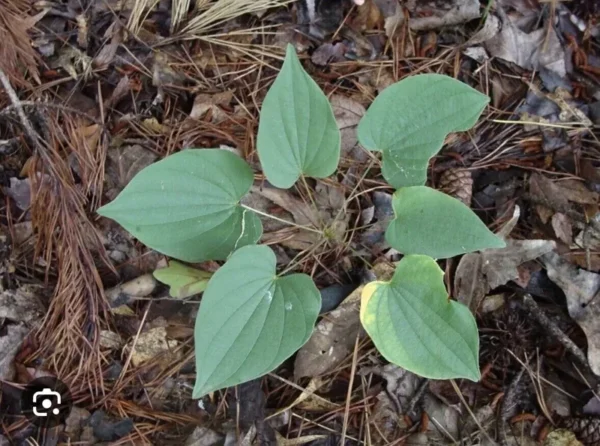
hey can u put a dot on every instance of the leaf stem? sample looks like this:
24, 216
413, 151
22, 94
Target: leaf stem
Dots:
281, 220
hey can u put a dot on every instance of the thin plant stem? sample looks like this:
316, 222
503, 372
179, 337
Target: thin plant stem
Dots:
281, 220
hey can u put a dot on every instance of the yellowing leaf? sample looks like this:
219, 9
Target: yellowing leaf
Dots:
414, 325
184, 280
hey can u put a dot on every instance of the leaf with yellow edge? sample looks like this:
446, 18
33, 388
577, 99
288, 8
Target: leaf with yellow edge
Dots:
414, 325
184, 280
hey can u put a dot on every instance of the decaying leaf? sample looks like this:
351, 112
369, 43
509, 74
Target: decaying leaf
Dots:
562, 228
335, 335
478, 273
548, 196
309, 401
123, 164
534, 50
203, 103
347, 114
582, 289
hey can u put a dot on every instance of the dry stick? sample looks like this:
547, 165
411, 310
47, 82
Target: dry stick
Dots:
281, 220
473, 416
14, 99
349, 394
417, 396
554, 330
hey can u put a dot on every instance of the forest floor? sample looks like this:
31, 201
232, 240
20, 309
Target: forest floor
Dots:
94, 91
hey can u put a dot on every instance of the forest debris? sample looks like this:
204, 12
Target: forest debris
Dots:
309, 401
123, 164
20, 191
110, 340
21, 305
458, 183
10, 344
203, 436
348, 113
17, 55
562, 437
332, 340
329, 53
548, 196
151, 344
127, 292
478, 273
434, 15
374, 235
538, 49
335, 335
107, 429
75, 422
561, 224
203, 103
582, 289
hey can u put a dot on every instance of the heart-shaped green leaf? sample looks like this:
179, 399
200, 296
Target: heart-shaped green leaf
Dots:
414, 325
435, 224
410, 119
184, 280
297, 134
251, 320
187, 205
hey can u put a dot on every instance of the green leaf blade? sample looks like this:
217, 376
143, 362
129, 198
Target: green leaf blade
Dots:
250, 320
187, 205
432, 223
414, 325
184, 281
410, 119
297, 133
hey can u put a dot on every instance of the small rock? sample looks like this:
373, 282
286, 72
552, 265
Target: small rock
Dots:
203, 436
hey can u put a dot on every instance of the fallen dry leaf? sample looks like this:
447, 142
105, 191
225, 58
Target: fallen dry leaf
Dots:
335, 335
561, 224
210, 102
582, 290
123, 164
538, 49
309, 401
348, 113
478, 273
548, 196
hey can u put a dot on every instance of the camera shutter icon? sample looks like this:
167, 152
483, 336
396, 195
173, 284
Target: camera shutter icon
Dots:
46, 396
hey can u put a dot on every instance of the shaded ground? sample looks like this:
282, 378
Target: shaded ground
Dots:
95, 91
